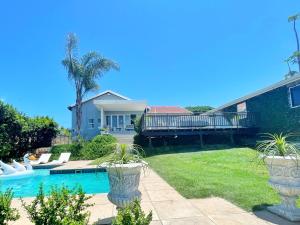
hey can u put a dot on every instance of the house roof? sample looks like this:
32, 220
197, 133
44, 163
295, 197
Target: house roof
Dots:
259, 92
167, 110
100, 94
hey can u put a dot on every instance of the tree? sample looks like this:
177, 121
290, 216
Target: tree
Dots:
199, 109
84, 72
295, 58
20, 133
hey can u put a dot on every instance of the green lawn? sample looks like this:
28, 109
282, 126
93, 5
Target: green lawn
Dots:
235, 174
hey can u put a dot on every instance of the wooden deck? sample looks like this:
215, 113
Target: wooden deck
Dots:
168, 125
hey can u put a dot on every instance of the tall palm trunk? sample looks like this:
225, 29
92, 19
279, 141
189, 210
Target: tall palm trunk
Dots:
298, 46
78, 114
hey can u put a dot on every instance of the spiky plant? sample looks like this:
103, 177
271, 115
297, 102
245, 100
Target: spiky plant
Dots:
277, 145
127, 153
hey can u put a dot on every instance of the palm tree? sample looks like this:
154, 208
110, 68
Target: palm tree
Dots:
84, 72
295, 58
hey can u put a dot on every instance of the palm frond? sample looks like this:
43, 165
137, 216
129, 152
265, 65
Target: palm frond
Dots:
294, 17
71, 46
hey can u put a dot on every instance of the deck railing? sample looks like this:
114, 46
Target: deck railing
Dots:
225, 120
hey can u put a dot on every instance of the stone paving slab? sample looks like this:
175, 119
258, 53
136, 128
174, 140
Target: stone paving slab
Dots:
222, 212
168, 206
81, 164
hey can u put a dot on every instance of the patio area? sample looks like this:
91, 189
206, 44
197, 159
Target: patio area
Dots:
168, 206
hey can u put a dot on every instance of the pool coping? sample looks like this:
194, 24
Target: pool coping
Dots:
76, 170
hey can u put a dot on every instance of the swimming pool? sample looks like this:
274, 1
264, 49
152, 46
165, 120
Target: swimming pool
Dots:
28, 185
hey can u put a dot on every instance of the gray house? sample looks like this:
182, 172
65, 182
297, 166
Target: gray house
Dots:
108, 110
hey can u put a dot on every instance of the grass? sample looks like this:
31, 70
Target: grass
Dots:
235, 174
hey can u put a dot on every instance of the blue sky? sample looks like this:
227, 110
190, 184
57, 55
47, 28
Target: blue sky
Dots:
170, 52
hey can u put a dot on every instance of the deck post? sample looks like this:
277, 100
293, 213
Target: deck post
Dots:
232, 138
165, 143
150, 142
201, 140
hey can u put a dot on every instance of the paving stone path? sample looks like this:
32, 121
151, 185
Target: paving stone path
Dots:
170, 208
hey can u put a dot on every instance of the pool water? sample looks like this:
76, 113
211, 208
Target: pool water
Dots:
28, 185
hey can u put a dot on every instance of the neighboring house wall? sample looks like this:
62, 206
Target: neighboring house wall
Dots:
274, 110
89, 111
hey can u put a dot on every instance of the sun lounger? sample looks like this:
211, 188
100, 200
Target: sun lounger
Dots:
44, 158
63, 158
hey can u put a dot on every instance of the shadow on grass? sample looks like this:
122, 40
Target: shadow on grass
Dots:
184, 149
261, 207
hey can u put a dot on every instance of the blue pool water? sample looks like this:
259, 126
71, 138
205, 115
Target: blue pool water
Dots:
28, 185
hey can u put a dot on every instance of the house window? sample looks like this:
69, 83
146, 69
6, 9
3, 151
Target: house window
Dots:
132, 118
295, 96
99, 121
91, 123
108, 121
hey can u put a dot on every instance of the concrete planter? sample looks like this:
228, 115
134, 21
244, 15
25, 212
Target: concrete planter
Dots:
124, 182
285, 179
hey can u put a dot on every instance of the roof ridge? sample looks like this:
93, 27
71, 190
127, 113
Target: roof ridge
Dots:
100, 94
258, 92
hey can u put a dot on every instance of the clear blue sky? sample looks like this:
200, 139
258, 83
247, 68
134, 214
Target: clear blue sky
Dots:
170, 52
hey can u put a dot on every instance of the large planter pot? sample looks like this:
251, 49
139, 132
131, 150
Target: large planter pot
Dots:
124, 182
285, 179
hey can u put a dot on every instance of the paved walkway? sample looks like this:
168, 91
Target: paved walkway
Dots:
170, 208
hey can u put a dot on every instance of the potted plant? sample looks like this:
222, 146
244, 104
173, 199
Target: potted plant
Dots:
104, 130
282, 160
124, 170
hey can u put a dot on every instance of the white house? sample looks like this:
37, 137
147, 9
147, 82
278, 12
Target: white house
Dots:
108, 110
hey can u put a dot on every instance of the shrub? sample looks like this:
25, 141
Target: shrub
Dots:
39, 131
61, 207
10, 130
94, 150
6, 212
19, 133
138, 125
99, 146
104, 139
132, 215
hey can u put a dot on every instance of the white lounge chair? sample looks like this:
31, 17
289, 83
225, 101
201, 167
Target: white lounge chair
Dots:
18, 166
63, 158
44, 158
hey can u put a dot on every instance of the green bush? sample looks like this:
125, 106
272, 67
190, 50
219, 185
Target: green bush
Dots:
10, 130
94, 150
104, 139
132, 215
138, 125
20, 133
6, 212
99, 146
61, 207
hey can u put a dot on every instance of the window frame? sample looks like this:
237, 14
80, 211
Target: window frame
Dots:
290, 96
91, 125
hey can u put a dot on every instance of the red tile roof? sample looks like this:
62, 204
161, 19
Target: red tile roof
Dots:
168, 110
